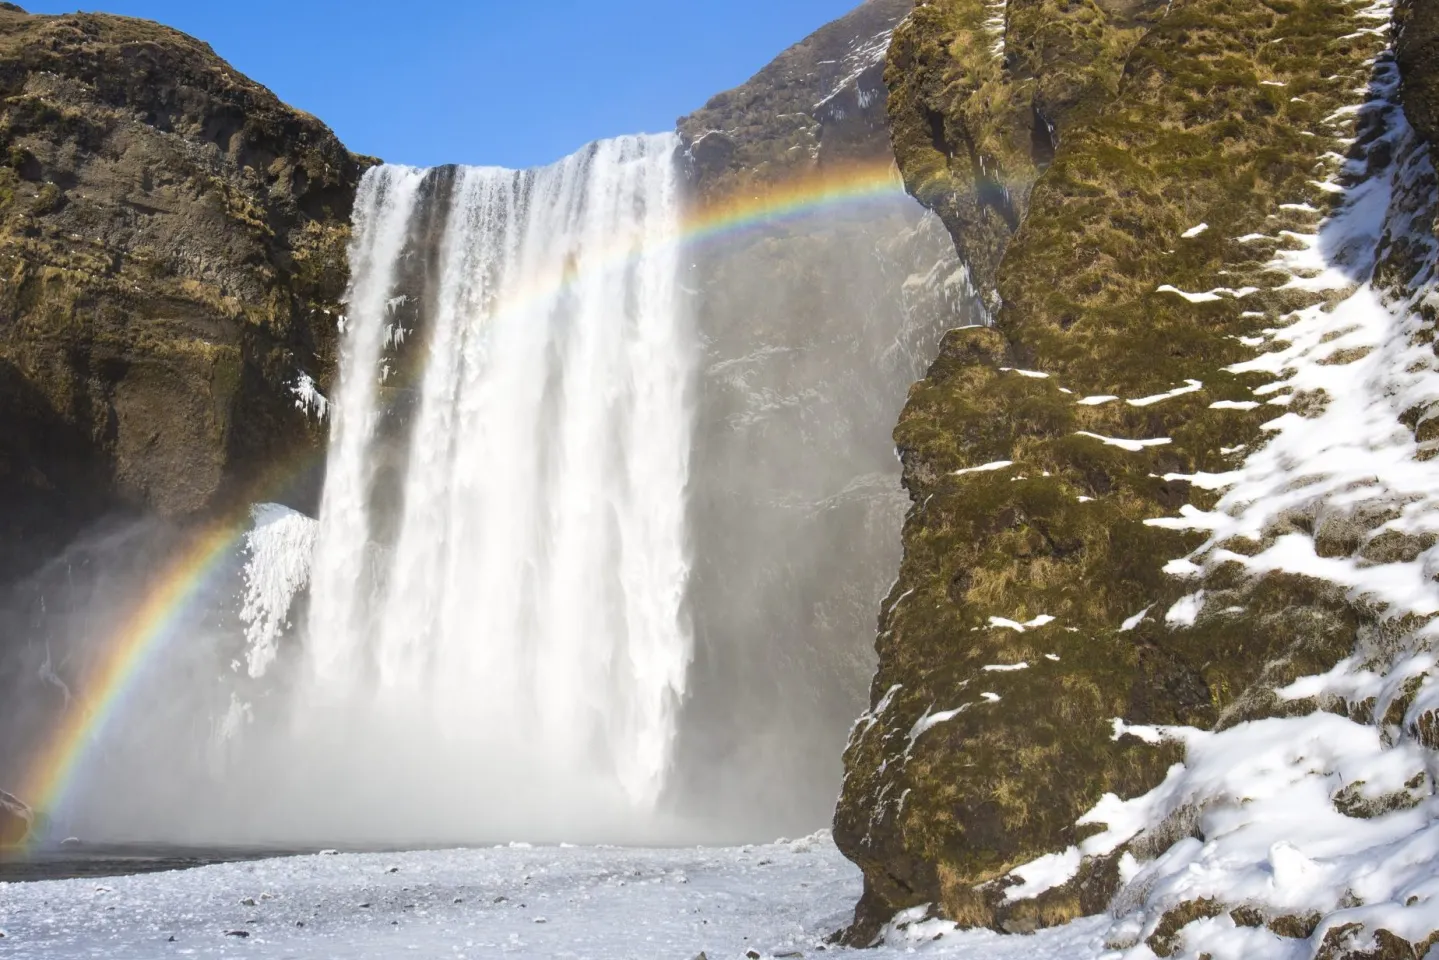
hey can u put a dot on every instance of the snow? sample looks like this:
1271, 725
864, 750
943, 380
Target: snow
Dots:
995, 25
512, 901
1209, 296
1133, 446
870, 717
1046, 873
1096, 401
1134, 621
279, 546
1042, 620
1190, 386
1194, 231
864, 54
1186, 610
1006, 667
984, 468
931, 720
308, 398
1035, 374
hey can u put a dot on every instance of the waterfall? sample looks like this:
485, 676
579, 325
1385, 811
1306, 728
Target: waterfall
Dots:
502, 542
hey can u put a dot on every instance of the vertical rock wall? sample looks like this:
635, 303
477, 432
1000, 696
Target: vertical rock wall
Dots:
1044, 599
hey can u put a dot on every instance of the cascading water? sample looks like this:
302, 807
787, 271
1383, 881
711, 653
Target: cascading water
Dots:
487, 635
519, 581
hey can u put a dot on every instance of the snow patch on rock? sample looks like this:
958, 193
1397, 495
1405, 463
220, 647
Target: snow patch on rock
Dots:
279, 548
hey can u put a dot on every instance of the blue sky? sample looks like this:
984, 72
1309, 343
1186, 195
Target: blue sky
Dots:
513, 83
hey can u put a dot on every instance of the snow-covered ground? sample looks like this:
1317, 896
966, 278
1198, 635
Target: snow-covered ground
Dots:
777, 900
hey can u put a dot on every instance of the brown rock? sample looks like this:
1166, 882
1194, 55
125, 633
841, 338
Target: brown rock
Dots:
172, 251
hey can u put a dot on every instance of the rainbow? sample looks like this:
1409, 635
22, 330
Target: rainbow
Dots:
767, 206
139, 638
162, 610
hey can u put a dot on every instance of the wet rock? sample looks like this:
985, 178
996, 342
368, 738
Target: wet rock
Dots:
16, 820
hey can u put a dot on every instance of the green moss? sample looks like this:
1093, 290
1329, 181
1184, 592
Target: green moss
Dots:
972, 127
1190, 135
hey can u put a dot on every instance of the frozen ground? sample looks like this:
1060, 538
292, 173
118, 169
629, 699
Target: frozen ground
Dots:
595, 902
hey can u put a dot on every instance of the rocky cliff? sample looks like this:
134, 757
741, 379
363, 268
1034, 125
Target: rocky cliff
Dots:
172, 255
820, 103
1163, 611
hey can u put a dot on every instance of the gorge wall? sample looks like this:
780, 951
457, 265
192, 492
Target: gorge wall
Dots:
172, 243
1167, 569
172, 256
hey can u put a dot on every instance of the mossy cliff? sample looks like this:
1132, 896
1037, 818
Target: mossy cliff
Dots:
172, 254
983, 93
1178, 129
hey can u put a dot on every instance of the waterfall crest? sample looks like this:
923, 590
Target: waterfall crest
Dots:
502, 542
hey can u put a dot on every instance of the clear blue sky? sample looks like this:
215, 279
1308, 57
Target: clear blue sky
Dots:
514, 83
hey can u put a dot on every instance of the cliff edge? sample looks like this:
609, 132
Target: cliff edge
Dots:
172, 257
1170, 518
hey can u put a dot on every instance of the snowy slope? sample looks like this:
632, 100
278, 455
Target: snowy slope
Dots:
544, 902
1315, 831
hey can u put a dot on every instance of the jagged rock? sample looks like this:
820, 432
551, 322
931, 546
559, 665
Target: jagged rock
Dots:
1338, 944
821, 103
1417, 48
1028, 505
981, 96
16, 820
172, 250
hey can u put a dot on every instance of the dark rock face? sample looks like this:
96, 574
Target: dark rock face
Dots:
173, 256
15, 820
821, 103
1209, 113
813, 330
1417, 49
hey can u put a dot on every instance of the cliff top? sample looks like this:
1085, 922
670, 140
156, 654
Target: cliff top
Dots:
821, 99
168, 80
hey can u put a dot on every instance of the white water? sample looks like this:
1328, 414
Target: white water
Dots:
517, 586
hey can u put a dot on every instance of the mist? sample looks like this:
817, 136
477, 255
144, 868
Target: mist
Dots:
603, 567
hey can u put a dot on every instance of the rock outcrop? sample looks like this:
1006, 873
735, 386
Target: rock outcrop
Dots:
172, 256
982, 95
16, 820
1095, 580
821, 103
